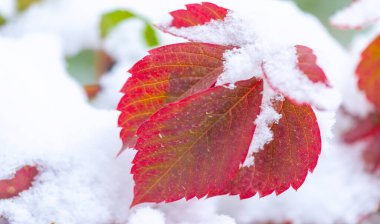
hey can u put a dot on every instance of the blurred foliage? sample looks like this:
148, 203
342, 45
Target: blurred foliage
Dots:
111, 19
2, 20
87, 67
81, 67
150, 35
323, 10
23, 5
90, 64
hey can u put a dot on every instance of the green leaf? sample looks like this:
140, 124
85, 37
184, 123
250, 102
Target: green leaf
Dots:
23, 5
2, 20
111, 19
82, 66
150, 35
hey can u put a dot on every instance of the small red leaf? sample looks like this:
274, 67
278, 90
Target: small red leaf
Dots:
22, 181
363, 128
368, 72
367, 129
371, 154
194, 147
197, 14
286, 160
307, 63
168, 74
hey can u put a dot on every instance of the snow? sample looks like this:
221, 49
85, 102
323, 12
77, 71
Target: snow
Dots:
147, 215
45, 119
359, 14
267, 117
233, 61
7, 8
74, 23
231, 31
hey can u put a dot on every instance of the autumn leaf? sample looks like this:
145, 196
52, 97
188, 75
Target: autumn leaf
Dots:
20, 182
192, 138
371, 154
366, 129
168, 74
287, 159
197, 14
307, 63
195, 146
363, 128
368, 72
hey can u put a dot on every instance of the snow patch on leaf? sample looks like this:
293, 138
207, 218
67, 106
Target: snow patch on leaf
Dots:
283, 75
241, 64
230, 31
268, 116
358, 15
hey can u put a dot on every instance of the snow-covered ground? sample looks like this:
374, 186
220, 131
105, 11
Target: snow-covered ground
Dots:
45, 119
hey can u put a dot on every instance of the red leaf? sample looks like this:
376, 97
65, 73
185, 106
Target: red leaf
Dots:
168, 74
367, 129
197, 14
307, 63
371, 154
363, 128
194, 147
286, 160
368, 72
21, 182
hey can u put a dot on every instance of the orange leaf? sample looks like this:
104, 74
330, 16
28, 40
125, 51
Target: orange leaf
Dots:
194, 147
168, 74
368, 73
21, 182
